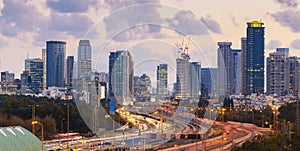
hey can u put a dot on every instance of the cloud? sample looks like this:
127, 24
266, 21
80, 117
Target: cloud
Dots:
233, 20
288, 18
287, 3
211, 24
122, 25
69, 6
19, 16
187, 23
296, 44
273, 44
119, 4
73, 24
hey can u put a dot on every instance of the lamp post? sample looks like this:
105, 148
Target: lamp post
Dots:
68, 126
223, 112
252, 111
42, 139
262, 118
33, 117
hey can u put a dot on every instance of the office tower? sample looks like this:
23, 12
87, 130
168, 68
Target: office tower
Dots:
25, 79
121, 76
208, 82
84, 58
277, 83
237, 71
244, 65
7, 77
162, 81
55, 60
293, 75
255, 57
27, 64
285, 51
182, 76
70, 67
195, 80
225, 86
142, 88
44, 56
102, 76
36, 72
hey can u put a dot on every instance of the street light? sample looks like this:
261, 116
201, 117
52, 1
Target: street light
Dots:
68, 127
252, 111
39, 123
262, 118
223, 112
33, 117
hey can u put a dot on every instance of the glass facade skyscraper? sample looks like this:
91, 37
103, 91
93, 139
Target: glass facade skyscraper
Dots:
84, 58
70, 64
55, 64
237, 71
255, 57
162, 81
225, 70
121, 73
36, 71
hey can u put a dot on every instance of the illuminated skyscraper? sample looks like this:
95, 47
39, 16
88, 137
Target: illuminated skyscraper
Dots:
277, 70
162, 81
255, 57
36, 72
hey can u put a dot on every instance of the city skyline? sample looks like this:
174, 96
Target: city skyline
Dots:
223, 26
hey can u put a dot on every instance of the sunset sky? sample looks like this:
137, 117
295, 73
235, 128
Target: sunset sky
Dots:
26, 25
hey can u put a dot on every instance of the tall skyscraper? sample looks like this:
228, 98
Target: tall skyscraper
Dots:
121, 76
36, 72
244, 65
237, 71
55, 56
208, 82
84, 58
255, 57
277, 81
182, 76
293, 75
70, 67
44, 56
162, 81
195, 80
225, 86
142, 88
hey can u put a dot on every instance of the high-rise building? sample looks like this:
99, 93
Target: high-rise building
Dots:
237, 71
142, 88
293, 75
70, 67
44, 56
84, 61
225, 86
36, 72
277, 81
55, 60
285, 51
208, 82
244, 65
121, 76
7, 77
182, 76
162, 81
255, 57
25, 79
195, 80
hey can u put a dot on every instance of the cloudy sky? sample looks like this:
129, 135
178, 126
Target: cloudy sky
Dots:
25, 25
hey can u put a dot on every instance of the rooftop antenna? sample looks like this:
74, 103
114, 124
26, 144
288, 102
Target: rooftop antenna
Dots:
187, 46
